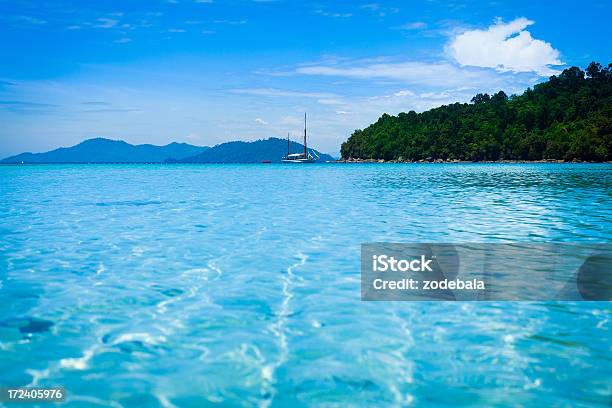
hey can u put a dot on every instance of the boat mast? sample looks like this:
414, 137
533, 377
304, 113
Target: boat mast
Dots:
288, 145
305, 150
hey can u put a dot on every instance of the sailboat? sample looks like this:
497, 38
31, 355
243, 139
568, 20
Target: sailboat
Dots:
305, 157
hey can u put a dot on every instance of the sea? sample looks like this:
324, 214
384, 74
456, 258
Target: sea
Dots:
239, 285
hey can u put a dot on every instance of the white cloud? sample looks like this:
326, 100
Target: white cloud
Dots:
331, 14
176, 30
330, 101
272, 92
105, 22
415, 25
436, 95
437, 74
505, 47
230, 22
29, 20
378, 9
404, 92
261, 121
370, 108
291, 120
371, 6
123, 40
489, 58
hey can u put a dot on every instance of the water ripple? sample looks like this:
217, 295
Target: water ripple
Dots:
200, 285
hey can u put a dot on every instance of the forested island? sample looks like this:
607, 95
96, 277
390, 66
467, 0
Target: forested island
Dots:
568, 117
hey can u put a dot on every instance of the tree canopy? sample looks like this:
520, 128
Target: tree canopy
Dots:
568, 117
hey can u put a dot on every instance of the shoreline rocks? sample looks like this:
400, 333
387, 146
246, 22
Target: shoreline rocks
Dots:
441, 161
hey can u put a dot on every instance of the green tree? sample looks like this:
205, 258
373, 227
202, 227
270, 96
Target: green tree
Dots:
568, 117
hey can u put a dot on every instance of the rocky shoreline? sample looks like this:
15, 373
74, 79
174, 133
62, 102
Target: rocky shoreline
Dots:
441, 161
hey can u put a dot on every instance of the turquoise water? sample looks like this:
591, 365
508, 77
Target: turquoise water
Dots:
238, 285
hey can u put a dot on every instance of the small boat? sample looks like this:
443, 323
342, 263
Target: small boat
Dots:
305, 157
266, 161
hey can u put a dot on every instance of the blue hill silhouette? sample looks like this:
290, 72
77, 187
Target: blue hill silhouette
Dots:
101, 150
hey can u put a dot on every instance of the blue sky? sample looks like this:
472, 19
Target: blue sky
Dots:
205, 72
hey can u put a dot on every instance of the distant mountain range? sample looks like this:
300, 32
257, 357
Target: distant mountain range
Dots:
102, 150
272, 149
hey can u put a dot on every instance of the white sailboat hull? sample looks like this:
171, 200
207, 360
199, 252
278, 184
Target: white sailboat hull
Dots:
298, 160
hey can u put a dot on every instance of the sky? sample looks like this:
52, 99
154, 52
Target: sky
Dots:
209, 71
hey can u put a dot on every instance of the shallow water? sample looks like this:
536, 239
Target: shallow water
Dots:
196, 285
